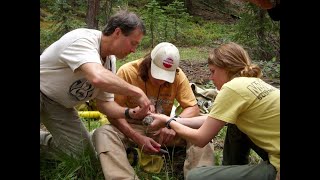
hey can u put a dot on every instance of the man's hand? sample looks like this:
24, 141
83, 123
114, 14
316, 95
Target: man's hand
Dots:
148, 145
165, 135
143, 101
139, 113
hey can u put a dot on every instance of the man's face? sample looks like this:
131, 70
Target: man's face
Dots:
155, 82
124, 45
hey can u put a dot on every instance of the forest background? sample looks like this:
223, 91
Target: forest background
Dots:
194, 26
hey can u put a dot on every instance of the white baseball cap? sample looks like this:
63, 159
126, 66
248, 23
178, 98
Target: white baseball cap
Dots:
165, 60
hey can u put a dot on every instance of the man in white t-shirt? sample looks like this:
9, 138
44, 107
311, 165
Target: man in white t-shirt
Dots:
81, 66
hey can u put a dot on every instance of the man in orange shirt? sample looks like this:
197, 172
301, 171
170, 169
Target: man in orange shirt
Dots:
159, 76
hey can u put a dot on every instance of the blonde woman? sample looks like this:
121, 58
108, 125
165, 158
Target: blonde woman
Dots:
248, 106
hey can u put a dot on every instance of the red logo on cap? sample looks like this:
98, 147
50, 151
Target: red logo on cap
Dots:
167, 63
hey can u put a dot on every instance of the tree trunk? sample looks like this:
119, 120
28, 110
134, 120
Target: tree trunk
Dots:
261, 34
107, 10
93, 10
188, 4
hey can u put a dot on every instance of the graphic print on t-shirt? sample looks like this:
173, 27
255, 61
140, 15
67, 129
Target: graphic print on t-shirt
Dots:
81, 89
260, 89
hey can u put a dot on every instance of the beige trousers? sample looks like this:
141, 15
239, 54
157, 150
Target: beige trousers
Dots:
67, 132
111, 146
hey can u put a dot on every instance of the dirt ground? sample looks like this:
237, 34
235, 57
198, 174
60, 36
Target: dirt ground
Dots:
198, 72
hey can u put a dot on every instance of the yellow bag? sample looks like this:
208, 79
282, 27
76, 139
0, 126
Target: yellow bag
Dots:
149, 163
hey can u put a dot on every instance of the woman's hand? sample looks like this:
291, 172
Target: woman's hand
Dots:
159, 121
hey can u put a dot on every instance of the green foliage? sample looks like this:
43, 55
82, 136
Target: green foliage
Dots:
172, 23
209, 85
195, 35
270, 69
218, 149
133, 56
68, 167
47, 37
90, 123
219, 30
164, 23
208, 34
222, 6
218, 155
63, 20
109, 7
256, 30
152, 15
254, 158
193, 53
64, 17
46, 3
179, 16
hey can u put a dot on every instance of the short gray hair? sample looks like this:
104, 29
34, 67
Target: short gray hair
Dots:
126, 21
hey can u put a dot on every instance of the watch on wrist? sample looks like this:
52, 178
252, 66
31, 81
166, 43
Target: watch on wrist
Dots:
126, 113
169, 121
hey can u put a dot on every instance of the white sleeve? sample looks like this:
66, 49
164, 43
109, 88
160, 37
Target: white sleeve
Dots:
110, 64
79, 52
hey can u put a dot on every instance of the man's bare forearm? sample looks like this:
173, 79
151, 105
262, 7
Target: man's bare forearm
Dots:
125, 128
107, 81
